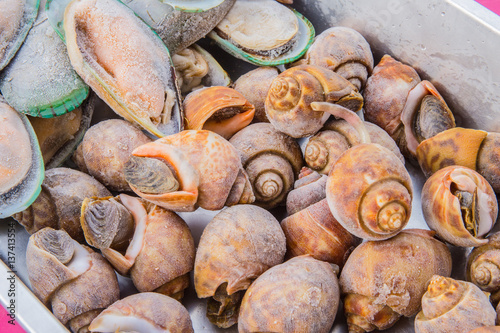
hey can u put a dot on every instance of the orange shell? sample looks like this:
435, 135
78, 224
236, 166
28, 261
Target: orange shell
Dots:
456, 146
207, 166
386, 91
441, 207
201, 104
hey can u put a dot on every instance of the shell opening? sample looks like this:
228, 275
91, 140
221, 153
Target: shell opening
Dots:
223, 309
150, 175
433, 117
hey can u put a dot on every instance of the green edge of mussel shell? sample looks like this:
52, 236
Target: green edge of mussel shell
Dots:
305, 27
30, 16
24, 194
71, 102
55, 14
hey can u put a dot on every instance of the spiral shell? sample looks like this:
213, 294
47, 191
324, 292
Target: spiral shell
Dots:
384, 280
300, 295
307, 190
483, 267
218, 109
59, 204
156, 249
344, 51
451, 305
315, 231
254, 85
369, 192
271, 159
291, 93
475, 149
206, 166
71, 279
227, 260
408, 109
325, 147
104, 150
460, 205
144, 312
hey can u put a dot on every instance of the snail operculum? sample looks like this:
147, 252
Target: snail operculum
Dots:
150, 175
222, 309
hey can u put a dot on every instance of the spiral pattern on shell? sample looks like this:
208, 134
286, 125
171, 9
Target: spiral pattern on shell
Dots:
323, 150
484, 270
375, 200
284, 93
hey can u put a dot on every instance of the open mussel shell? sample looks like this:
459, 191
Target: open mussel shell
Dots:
235, 33
59, 136
39, 81
125, 63
16, 19
21, 162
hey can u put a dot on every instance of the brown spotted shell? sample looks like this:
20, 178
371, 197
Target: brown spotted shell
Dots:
71, 279
254, 85
325, 147
475, 149
159, 255
144, 312
105, 148
344, 51
271, 159
315, 231
451, 305
291, 93
369, 192
219, 109
59, 204
460, 205
383, 280
483, 267
228, 258
300, 295
207, 166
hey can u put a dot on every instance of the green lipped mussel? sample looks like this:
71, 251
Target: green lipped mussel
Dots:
16, 19
39, 80
124, 62
21, 162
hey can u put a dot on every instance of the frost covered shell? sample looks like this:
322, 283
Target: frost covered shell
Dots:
451, 305
124, 62
383, 280
144, 313
16, 19
21, 162
300, 295
224, 246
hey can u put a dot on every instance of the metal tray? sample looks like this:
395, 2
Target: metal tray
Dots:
453, 43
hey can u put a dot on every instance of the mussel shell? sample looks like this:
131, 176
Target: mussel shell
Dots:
15, 21
40, 80
125, 63
22, 153
180, 23
305, 37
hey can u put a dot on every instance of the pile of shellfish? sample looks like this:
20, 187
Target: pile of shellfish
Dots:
302, 162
